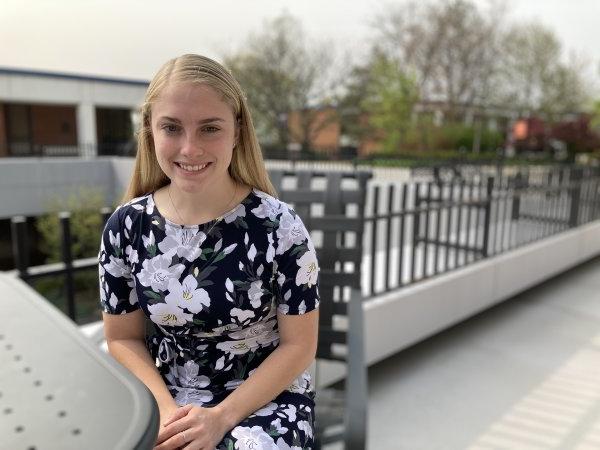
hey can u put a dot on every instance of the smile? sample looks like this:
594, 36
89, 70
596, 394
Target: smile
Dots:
189, 168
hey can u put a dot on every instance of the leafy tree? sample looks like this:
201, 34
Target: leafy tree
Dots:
389, 101
450, 47
533, 76
282, 74
86, 225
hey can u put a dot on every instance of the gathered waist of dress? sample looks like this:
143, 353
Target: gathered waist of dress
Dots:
164, 345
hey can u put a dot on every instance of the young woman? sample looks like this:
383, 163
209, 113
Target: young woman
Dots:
226, 273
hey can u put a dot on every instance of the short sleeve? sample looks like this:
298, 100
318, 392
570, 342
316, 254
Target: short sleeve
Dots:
297, 269
117, 286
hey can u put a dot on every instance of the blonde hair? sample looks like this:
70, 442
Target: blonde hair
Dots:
247, 165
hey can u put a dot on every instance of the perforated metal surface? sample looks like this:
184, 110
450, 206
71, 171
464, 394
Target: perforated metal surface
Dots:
57, 390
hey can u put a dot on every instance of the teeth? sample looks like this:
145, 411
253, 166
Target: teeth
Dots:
192, 168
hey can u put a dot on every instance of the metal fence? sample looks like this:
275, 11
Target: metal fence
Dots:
417, 230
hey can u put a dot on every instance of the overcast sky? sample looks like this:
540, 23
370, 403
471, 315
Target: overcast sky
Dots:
132, 38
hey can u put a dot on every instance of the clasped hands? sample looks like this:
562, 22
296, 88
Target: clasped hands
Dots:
192, 427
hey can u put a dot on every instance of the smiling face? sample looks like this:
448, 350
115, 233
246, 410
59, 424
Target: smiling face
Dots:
194, 132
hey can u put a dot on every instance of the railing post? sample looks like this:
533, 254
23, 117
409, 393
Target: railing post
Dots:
65, 226
519, 184
105, 212
19, 243
487, 216
575, 193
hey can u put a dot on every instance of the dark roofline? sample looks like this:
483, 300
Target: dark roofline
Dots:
69, 76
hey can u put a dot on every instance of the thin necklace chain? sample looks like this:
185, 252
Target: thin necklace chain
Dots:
218, 218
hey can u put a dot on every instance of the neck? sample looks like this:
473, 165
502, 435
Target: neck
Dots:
206, 204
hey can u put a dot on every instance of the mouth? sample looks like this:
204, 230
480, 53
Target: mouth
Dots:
192, 168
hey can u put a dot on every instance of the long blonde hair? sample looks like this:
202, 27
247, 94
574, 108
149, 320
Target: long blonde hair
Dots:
247, 165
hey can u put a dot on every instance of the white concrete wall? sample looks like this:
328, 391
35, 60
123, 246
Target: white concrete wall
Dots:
29, 185
122, 170
67, 91
399, 319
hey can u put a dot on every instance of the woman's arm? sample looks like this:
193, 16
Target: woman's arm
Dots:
206, 426
125, 338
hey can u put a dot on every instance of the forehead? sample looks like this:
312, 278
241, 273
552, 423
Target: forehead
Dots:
188, 99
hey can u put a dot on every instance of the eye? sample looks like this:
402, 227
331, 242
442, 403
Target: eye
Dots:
210, 129
170, 128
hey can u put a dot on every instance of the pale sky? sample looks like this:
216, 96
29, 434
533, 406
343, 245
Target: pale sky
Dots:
132, 38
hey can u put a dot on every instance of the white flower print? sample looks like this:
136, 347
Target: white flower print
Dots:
150, 205
157, 272
302, 307
302, 384
255, 293
168, 314
270, 248
188, 375
148, 241
117, 268
232, 384
280, 428
252, 252
239, 211
255, 330
309, 268
269, 206
113, 300
185, 242
290, 412
187, 396
220, 363
282, 445
305, 426
241, 314
186, 294
280, 279
132, 255
266, 410
238, 347
283, 308
253, 438
115, 241
133, 298
290, 232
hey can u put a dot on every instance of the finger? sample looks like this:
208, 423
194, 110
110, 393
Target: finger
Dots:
178, 414
174, 442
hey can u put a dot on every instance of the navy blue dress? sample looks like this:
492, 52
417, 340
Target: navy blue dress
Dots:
212, 292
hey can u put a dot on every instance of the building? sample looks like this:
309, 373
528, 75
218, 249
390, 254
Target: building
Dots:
51, 114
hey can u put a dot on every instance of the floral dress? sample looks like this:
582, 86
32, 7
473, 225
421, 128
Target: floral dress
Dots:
212, 293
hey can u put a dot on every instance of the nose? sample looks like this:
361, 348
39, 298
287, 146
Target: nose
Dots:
191, 147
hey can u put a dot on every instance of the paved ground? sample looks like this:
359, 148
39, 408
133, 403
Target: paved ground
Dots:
523, 375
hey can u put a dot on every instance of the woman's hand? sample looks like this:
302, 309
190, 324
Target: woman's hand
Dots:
191, 428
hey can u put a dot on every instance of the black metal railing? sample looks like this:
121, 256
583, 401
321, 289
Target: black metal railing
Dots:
66, 268
421, 229
417, 230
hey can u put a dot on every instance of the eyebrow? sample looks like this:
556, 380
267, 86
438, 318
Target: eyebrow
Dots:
203, 121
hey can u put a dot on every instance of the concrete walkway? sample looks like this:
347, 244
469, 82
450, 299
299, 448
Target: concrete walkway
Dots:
523, 375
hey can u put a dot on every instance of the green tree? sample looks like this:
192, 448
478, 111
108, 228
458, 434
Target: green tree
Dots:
389, 101
280, 73
595, 122
535, 78
86, 228
86, 225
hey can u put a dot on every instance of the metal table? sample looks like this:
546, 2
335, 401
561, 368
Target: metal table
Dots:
59, 391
